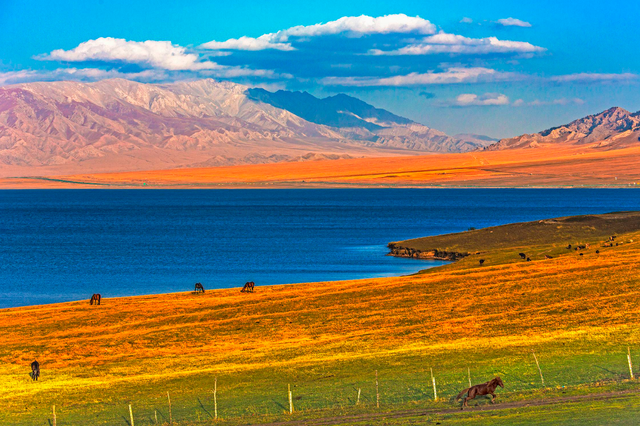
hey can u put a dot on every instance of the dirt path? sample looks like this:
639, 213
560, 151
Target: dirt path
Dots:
339, 420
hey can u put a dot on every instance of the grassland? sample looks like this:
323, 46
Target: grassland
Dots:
577, 313
552, 166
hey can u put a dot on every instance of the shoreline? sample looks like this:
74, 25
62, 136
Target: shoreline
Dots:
211, 290
430, 254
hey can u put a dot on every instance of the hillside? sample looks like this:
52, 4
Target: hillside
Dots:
462, 321
121, 125
614, 128
563, 231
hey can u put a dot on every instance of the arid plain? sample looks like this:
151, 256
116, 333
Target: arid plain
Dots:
545, 166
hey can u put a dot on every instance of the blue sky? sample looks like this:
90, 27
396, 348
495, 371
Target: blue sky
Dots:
499, 68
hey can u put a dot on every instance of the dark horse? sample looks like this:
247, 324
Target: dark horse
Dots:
95, 298
248, 287
199, 287
488, 388
35, 370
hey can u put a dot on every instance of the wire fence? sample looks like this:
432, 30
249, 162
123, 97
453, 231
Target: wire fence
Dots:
387, 385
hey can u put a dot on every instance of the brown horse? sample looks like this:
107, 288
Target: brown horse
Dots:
199, 287
488, 388
95, 298
35, 370
248, 287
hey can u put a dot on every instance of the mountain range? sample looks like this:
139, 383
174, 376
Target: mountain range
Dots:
118, 125
614, 128
57, 128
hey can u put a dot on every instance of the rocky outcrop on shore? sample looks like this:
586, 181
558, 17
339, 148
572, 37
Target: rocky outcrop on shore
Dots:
400, 251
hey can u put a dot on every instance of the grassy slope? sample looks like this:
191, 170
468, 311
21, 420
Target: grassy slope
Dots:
327, 339
554, 234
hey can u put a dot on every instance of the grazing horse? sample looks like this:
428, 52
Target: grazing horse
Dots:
488, 388
248, 287
35, 370
199, 287
522, 255
95, 298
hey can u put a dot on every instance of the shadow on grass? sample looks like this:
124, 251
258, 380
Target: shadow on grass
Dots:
280, 405
164, 418
616, 375
204, 409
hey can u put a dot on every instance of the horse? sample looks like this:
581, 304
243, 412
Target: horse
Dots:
95, 298
248, 287
487, 388
481, 261
199, 287
522, 255
35, 370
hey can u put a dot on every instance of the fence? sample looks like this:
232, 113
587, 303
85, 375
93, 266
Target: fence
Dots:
385, 386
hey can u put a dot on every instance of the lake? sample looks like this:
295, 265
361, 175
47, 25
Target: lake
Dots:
62, 245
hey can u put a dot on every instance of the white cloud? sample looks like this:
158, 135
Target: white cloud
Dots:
450, 76
156, 54
561, 101
513, 22
77, 74
488, 99
159, 55
594, 78
152, 75
263, 42
466, 20
457, 44
350, 25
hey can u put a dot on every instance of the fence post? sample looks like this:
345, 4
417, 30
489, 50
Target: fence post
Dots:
155, 413
54, 415
290, 400
629, 359
538, 364
377, 392
215, 399
358, 400
170, 418
469, 373
131, 415
435, 392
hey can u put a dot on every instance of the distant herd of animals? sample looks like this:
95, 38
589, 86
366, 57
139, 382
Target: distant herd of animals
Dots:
199, 288
608, 243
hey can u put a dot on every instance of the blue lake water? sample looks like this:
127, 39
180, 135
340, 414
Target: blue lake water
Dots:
60, 245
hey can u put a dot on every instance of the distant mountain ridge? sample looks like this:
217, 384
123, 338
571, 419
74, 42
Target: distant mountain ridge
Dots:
614, 128
336, 111
119, 125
